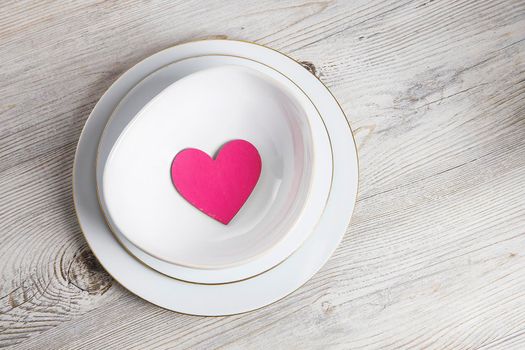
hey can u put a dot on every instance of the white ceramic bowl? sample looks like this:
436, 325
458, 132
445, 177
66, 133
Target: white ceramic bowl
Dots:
204, 110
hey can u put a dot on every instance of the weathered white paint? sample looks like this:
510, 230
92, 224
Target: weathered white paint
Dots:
435, 92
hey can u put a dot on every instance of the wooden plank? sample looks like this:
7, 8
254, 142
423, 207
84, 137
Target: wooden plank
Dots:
435, 93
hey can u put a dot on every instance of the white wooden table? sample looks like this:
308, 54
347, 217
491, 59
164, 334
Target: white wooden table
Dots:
435, 93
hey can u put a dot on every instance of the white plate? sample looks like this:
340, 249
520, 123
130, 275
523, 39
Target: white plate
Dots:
237, 297
321, 177
203, 110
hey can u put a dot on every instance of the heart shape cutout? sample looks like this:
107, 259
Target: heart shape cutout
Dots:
218, 187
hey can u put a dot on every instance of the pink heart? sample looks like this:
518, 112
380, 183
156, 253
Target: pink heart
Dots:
218, 187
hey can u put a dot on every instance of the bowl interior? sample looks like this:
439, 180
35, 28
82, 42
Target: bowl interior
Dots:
205, 110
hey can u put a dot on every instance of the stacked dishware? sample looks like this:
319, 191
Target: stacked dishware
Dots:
215, 177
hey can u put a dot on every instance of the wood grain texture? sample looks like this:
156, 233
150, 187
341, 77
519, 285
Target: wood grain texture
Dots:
435, 92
